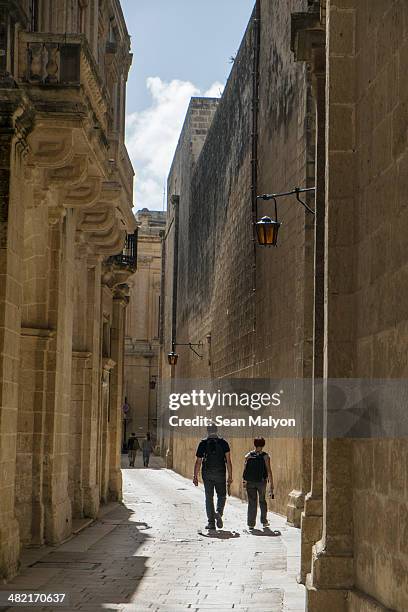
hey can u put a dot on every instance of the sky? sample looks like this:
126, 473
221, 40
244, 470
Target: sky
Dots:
181, 48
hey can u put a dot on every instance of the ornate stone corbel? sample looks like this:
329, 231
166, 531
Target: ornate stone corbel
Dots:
72, 173
83, 195
111, 193
50, 148
97, 219
109, 245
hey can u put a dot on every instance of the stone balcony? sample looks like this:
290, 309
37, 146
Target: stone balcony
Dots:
118, 268
63, 60
76, 159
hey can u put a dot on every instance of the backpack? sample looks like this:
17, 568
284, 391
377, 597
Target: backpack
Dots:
255, 468
214, 458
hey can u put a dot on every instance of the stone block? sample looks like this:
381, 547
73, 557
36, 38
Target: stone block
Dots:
364, 559
342, 86
383, 587
342, 180
342, 32
9, 549
343, 127
399, 129
400, 584
295, 507
360, 602
382, 466
330, 571
322, 600
311, 532
402, 528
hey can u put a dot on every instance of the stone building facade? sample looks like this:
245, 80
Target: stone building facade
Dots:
143, 327
323, 87
67, 250
224, 286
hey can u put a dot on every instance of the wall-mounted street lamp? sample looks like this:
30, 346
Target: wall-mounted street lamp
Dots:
173, 356
266, 228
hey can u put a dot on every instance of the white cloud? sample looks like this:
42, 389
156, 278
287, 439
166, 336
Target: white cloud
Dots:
152, 136
215, 91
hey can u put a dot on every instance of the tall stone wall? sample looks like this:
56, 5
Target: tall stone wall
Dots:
142, 326
260, 325
198, 120
64, 211
368, 153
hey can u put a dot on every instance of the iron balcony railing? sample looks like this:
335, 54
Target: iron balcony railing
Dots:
128, 257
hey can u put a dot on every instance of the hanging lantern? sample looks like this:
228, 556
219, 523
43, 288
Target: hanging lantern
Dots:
267, 229
172, 358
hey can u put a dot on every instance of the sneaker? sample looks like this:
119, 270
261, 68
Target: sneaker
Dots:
218, 520
210, 526
250, 527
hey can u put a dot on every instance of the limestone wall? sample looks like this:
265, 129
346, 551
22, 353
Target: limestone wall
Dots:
142, 327
64, 212
264, 333
368, 154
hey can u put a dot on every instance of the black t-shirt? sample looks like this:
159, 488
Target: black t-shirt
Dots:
222, 449
133, 444
202, 447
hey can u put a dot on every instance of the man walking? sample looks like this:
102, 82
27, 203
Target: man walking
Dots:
132, 446
213, 456
147, 449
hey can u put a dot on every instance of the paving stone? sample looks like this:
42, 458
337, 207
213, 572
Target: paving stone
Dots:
147, 555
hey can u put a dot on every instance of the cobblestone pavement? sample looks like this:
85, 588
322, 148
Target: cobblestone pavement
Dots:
148, 555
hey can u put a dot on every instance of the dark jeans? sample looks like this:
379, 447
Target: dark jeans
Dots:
214, 480
146, 458
132, 457
256, 490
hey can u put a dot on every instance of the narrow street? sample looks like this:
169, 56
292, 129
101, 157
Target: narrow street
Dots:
148, 554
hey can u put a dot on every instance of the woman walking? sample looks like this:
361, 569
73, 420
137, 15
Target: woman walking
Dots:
257, 472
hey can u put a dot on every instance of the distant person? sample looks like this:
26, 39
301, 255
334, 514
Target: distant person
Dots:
147, 449
213, 456
133, 447
257, 472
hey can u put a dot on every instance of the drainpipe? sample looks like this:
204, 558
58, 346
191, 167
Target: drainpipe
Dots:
175, 200
254, 154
